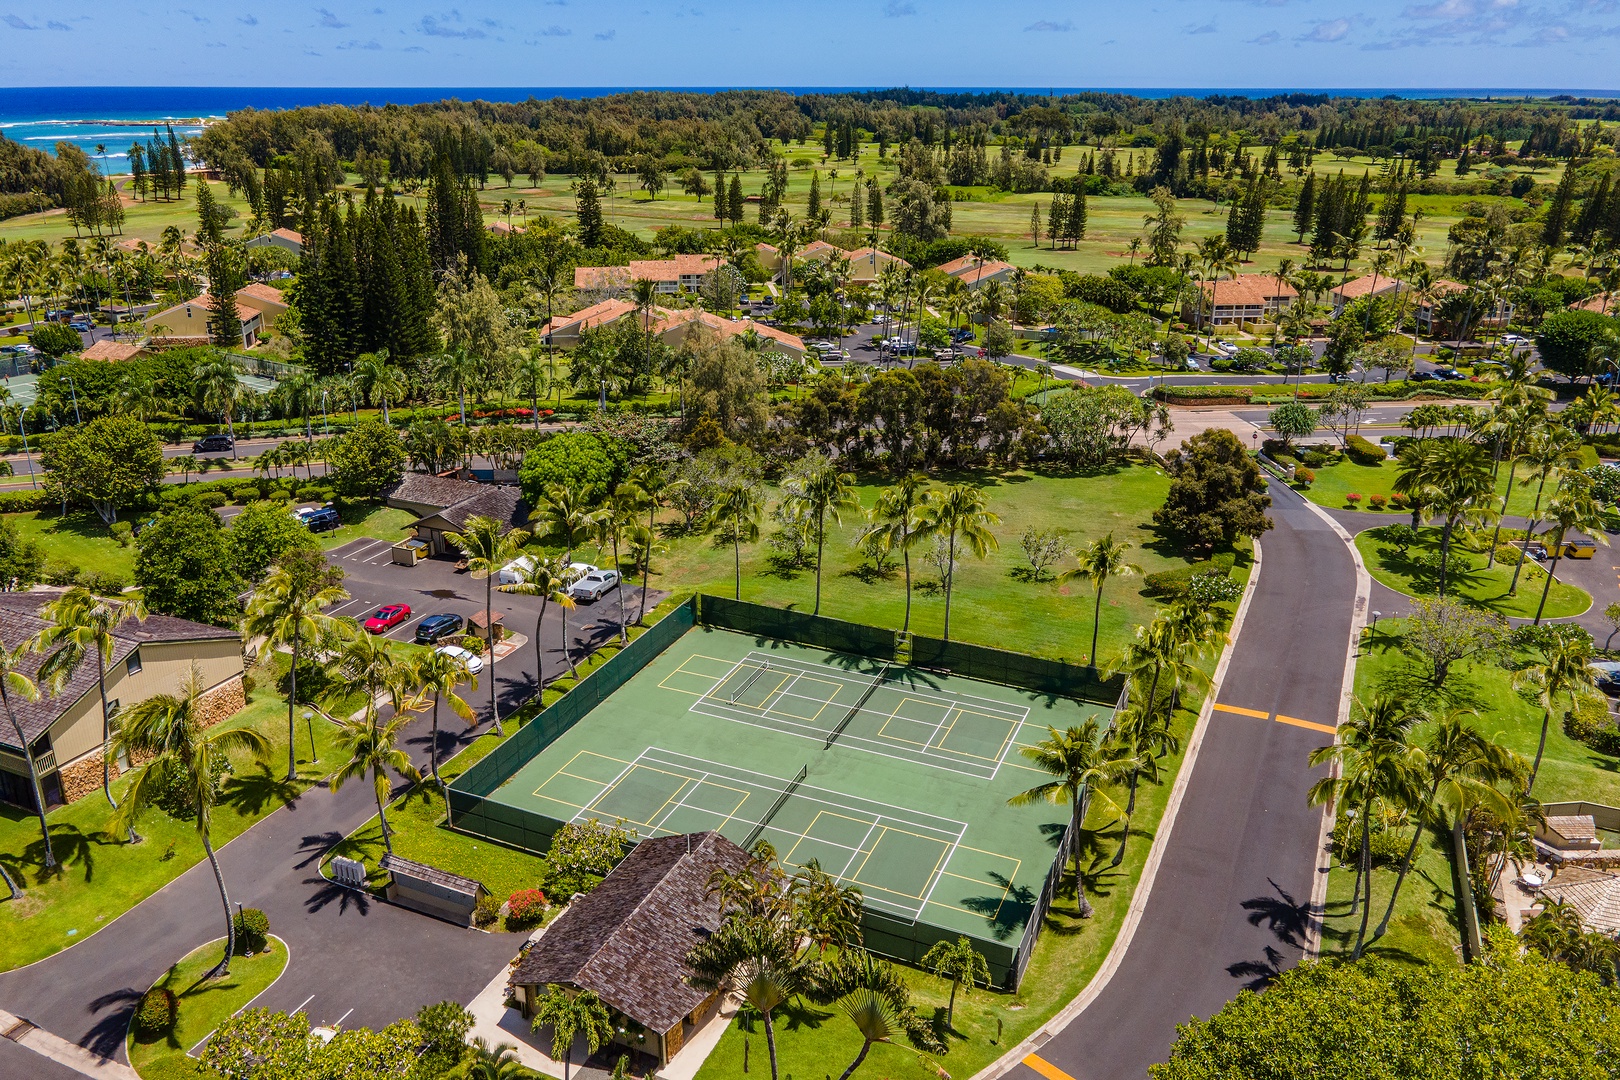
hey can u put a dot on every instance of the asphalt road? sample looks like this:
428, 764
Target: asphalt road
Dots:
1230, 908
354, 960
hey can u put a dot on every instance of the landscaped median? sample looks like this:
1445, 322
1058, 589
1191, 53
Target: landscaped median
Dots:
196, 1004
1408, 561
1264, 393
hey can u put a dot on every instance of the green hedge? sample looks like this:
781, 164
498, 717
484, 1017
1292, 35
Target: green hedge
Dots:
1174, 582
157, 1012
17, 502
1363, 452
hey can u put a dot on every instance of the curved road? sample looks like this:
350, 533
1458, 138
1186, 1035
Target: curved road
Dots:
1231, 905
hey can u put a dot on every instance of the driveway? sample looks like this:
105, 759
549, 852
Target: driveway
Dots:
1231, 905
354, 960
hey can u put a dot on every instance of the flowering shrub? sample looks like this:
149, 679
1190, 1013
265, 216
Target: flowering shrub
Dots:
1304, 476
1377, 502
1398, 501
1352, 498
525, 908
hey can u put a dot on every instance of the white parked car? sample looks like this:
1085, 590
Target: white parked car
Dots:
469, 660
515, 571
1226, 348
1514, 340
594, 585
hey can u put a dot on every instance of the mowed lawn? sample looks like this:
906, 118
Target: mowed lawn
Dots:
1334, 482
993, 601
80, 540
1413, 572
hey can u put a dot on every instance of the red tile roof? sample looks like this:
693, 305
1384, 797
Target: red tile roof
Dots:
1363, 286
1247, 290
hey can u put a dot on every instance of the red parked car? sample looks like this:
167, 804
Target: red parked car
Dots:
386, 618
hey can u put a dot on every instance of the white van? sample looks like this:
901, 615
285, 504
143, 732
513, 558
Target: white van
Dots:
515, 571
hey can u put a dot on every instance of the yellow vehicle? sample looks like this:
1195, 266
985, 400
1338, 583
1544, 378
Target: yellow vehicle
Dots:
1579, 549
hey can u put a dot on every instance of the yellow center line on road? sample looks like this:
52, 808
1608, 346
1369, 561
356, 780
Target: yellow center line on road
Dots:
1046, 1068
1280, 718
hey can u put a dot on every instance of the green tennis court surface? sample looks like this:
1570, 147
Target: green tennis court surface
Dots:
894, 779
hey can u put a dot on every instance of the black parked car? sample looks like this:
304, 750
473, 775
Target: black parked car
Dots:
436, 628
323, 520
213, 444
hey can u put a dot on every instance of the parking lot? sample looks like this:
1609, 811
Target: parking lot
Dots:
433, 586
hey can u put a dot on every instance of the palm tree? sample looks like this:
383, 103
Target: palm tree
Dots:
755, 957
564, 514
571, 1014
532, 377
1564, 671
549, 580
1573, 509
960, 964
82, 623
958, 511
895, 521
298, 396
644, 547
170, 730
219, 391
13, 681
286, 611
139, 398
1097, 562
1453, 479
1081, 760
1460, 768
457, 370
378, 379
439, 674
817, 487
489, 545
874, 1016
614, 523
736, 515
1375, 759
496, 1063
1551, 451
374, 746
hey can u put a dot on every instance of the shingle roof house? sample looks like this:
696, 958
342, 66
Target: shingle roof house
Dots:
627, 940
445, 504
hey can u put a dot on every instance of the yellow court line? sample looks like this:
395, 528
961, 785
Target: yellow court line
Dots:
1046, 1068
1256, 713
1311, 724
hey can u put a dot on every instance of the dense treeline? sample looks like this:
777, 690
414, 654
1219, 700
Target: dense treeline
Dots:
33, 180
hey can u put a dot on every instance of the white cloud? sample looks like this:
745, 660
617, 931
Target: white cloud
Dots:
1327, 30
329, 20
432, 27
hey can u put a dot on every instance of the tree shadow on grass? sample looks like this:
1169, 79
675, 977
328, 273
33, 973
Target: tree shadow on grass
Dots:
250, 794
73, 850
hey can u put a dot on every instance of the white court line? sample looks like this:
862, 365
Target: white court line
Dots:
779, 693
939, 873
1020, 712
586, 809
844, 874
721, 680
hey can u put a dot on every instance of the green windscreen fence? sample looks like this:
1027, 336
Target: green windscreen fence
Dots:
1015, 669
469, 807
787, 625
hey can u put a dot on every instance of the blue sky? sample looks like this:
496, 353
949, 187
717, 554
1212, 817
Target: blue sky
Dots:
1031, 43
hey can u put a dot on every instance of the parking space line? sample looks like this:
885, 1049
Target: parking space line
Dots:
406, 625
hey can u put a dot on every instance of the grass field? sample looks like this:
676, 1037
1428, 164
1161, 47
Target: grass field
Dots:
1467, 577
993, 602
1334, 482
204, 1004
101, 875
80, 539
1425, 926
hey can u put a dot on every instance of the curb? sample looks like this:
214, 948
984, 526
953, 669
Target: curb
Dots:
1150, 869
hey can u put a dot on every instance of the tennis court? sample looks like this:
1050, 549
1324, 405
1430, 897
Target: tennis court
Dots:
891, 778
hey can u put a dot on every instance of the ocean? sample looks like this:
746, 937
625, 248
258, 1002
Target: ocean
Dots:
116, 116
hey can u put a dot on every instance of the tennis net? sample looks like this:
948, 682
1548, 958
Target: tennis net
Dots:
787, 793
759, 670
871, 689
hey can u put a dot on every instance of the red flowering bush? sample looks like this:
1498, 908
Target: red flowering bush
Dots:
525, 908
1352, 498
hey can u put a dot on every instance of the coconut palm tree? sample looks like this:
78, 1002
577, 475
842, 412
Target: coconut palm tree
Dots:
219, 391
960, 964
958, 512
286, 611
1564, 671
439, 674
374, 747
14, 682
1573, 509
84, 624
184, 753
571, 1014
1096, 563
894, 523
549, 580
565, 514
1453, 479
735, 515
533, 379
1460, 769
818, 488
379, 380
754, 957
489, 545
1374, 759
298, 396
1552, 451
614, 524
1080, 760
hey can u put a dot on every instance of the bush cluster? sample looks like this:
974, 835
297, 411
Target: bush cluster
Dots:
252, 930
525, 908
157, 1013
1363, 451
1174, 583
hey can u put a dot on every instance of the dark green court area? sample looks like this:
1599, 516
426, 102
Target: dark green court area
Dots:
893, 778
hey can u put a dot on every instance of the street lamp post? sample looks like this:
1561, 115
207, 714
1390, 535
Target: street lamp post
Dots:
74, 393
